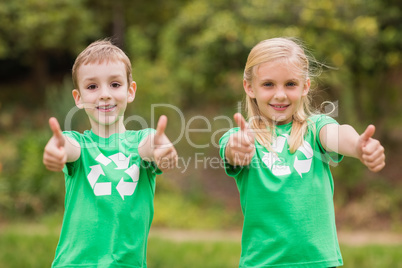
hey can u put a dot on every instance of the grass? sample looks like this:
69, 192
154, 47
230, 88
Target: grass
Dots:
34, 251
163, 253
372, 256
33, 245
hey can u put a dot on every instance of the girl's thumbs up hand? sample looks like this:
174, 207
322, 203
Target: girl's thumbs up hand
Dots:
370, 151
164, 153
240, 148
55, 156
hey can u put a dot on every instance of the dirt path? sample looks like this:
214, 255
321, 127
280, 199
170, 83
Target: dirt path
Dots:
345, 237
359, 238
352, 238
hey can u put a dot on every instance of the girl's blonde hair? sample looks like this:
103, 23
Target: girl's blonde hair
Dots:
289, 51
98, 52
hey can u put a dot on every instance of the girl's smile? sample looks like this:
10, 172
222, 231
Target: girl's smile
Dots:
279, 107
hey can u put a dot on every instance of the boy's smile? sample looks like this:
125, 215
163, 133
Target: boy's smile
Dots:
104, 93
106, 108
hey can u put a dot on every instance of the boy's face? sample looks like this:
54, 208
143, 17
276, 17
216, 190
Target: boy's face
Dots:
104, 93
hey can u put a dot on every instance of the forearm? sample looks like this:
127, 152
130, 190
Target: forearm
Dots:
145, 148
72, 148
341, 139
346, 141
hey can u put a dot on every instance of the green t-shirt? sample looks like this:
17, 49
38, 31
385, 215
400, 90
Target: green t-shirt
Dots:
108, 203
287, 202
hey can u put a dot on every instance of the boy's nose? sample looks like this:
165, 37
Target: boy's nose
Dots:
104, 93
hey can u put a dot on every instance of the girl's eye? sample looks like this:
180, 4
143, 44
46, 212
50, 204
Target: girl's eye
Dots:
268, 84
291, 84
91, 87
115, 85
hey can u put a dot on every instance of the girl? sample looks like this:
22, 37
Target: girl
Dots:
280, 161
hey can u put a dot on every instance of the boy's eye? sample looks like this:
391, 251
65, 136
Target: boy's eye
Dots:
91, 87
115, 85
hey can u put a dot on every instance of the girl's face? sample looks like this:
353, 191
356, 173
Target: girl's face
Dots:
278, 88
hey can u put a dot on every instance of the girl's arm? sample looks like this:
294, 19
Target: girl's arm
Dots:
60, 149
240, 148
344, 139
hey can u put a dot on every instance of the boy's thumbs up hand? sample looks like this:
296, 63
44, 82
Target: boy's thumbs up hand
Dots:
160, 128
240, 148
164, 153
54, 156
57, 134
370, 151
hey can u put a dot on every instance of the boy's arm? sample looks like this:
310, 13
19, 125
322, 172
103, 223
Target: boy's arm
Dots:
60, 149
344, 139
158, 148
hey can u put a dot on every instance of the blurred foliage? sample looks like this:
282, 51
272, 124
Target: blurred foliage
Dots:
177, 209
26, 188
191, 54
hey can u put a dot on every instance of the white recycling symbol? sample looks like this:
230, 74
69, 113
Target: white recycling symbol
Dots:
105, 188
278, 168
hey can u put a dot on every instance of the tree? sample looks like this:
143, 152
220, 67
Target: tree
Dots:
38, 33
206, 47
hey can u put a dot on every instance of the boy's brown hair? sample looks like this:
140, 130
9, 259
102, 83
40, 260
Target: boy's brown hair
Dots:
98, 52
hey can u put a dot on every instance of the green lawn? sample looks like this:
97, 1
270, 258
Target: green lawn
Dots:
27, 246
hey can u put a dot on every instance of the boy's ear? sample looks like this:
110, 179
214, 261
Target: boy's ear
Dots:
248, 88
77, 98
306, 88
131, 92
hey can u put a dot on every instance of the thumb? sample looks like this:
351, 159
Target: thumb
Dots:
57, 134
240, 121
367, 134
162, 123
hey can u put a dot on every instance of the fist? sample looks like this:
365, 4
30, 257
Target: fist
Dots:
240, 148
370, 151
164, 153
54, 156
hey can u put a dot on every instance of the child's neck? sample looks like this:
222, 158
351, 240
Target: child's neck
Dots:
105, 131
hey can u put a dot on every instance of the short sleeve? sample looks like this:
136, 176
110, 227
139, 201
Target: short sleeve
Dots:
73, 135
143, 134
320, 122
229, 169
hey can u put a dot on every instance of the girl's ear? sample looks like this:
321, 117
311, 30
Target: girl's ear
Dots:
77, 98
131, 92
248, 88
306, 87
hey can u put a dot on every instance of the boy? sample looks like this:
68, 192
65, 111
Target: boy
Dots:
109, 171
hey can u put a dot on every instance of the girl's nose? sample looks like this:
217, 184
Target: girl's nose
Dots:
280, 93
